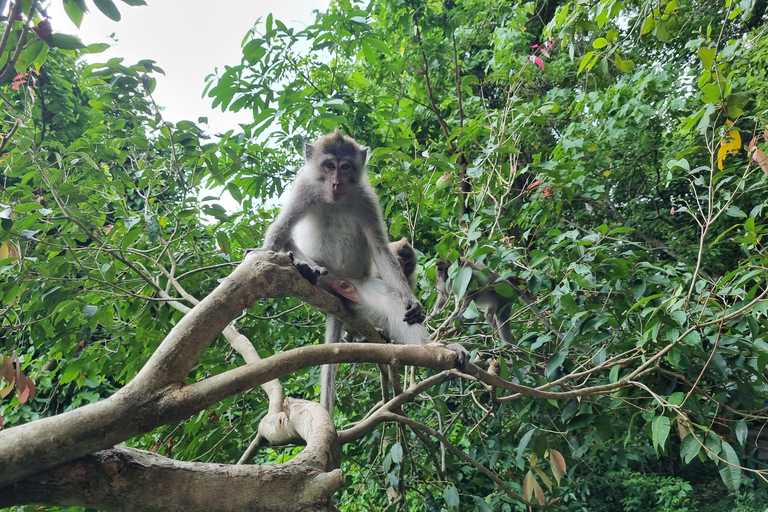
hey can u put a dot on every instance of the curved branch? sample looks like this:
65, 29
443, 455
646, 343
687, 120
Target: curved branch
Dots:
126, 479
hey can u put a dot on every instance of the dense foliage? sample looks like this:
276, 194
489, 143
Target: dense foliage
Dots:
606, 160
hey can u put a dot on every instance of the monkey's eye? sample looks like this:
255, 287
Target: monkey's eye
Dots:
329, 165
345, 166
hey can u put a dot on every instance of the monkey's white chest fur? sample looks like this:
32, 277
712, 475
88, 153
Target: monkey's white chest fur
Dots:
336, 241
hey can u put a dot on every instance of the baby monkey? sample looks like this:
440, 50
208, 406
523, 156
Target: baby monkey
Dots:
406, 257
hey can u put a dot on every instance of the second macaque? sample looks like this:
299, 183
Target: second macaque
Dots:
496, 309
375, 292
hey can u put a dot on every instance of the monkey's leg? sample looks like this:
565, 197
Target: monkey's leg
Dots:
501, 319
328, 372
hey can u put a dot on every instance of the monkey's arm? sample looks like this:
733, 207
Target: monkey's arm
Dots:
279, 238
392, 274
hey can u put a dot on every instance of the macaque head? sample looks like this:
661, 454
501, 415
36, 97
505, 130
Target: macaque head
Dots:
341, 287
406, 255
338, 163
442, 268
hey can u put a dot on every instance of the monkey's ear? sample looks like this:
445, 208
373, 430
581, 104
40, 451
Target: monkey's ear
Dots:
308, 150
364, 153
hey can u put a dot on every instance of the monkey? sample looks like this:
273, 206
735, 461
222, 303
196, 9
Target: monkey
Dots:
485, 297
406, 256
369, 299
442, 292
332, 223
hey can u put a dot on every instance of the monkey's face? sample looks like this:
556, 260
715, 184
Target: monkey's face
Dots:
338, 176
338, 163
341, 287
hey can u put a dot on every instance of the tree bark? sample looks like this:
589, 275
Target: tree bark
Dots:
127, 480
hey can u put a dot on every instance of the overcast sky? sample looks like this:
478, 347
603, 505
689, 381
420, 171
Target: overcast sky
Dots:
188, 39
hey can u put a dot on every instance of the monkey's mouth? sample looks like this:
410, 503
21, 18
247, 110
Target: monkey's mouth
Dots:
337, 196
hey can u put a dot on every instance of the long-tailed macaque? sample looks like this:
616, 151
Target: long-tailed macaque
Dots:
332, 223
406, 257
485, 297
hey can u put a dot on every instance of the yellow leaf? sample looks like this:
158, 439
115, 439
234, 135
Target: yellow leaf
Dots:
731, 143
8, 250
721, 156
528, 482
606, 173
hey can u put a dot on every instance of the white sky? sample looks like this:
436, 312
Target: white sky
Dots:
188, 39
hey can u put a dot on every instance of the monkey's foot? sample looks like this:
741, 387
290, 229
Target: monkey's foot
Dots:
309, 271
413, 312
462, 355
349, 337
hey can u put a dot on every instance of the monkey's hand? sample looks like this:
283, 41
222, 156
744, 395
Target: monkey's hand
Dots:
413, 312
462, 355
308, 270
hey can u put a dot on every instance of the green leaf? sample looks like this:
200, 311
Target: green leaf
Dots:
481, 505
90, 310
369, 53
96, 48
585, 61
581, 421
505, 290
638, 288
568, 304
730, 471
741, 431
522, 446
600, 42
693, 339
108, 8
65, 42
648, 25
710, 93
74, 11
235, 192
31, 52
135, 3
735, 211
397, 453
451, 498
153, 230
735, 103
689, 448
382, 47
707, 56
682, 164
461, 282
679, 316
534, 285
555, 361
26, 207
676, 398
662, 32
659, 432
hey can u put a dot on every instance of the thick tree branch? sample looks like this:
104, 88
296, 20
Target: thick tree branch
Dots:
126, 479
